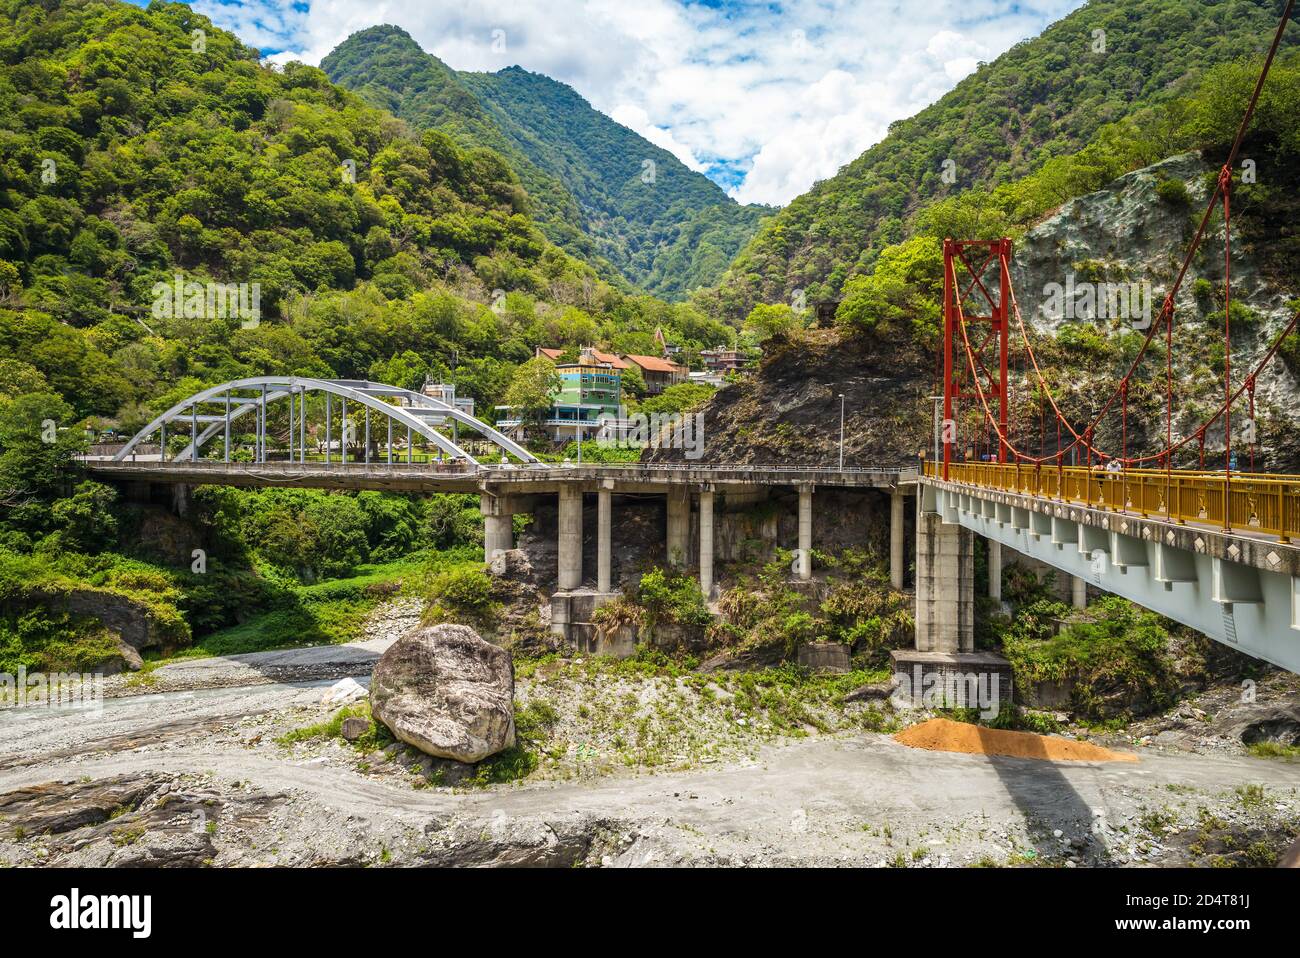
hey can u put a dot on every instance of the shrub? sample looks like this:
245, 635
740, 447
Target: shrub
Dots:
1174, 193
464, 589
675, 598
1120, 652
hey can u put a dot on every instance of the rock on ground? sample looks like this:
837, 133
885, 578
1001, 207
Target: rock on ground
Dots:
446, 691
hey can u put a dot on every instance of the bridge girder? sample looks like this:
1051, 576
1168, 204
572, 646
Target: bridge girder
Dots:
1248, 605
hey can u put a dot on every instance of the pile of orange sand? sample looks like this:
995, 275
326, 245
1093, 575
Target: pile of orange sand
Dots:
942, 735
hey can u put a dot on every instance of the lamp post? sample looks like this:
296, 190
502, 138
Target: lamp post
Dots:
841, 432
938, 416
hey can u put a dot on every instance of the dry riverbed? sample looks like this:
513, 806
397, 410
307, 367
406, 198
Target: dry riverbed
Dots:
627, 763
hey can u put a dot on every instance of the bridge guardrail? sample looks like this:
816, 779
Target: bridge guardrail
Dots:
1257, 502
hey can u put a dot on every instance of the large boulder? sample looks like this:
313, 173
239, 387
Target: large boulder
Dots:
447, 692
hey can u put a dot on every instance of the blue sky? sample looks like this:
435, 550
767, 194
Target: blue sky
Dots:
765, 98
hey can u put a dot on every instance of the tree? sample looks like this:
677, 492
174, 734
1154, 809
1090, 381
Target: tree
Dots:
906, 287
772, 321
85, 520
341, 543
37, 438
681, 398
532, 389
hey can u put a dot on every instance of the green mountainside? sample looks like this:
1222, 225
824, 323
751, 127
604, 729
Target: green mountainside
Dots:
1046, 98
599, 190
139, 145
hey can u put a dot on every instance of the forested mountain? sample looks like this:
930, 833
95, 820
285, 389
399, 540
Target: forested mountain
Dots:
1046, 98
131, 155
598, 189
140, 145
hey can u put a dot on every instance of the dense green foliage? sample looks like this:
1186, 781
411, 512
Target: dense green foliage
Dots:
599, 190
670, 598
1044, 99
379, 253
1115, 660
141, 145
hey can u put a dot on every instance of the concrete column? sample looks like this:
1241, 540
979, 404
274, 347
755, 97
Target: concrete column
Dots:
706, 542
1079, 590
498, 524
604, 532
897, 559
805, 532
570, 536
679, 527
995, 570
945, 586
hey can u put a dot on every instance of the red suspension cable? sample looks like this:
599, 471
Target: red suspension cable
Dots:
1167, 309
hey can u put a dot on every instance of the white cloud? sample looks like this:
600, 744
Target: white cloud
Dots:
637, 120
784, 94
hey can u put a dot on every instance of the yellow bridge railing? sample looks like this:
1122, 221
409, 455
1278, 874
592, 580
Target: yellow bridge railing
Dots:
1255, 502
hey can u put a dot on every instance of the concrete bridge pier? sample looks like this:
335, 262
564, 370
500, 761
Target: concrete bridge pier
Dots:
944, 668
498, 524
181, 499
805, 531
678, 542
897, 539
569, 574
706, 542
945, 586
604, 535
995, 570
1079, 591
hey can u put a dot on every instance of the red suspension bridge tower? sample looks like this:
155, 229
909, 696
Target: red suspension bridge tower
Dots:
987, 290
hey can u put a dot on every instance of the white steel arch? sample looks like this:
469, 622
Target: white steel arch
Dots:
419, 415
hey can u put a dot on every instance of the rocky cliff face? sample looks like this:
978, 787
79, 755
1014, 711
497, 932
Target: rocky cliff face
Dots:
1123, 246
788, 413
1128, 238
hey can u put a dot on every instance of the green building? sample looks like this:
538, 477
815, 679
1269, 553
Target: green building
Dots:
589, 388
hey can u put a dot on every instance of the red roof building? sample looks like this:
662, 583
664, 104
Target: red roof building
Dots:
658, 373
608, 358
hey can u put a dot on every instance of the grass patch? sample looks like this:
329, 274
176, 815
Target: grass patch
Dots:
654, 710
323, 613
377, 736
511, 765
1274, 750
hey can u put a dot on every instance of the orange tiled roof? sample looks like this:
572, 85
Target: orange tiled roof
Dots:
654, 364
554, 354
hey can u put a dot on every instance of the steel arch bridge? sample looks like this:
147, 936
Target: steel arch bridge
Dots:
213, 411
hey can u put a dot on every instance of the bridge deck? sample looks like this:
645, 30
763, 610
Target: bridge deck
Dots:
456, 477
1259, 504
1264, 515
